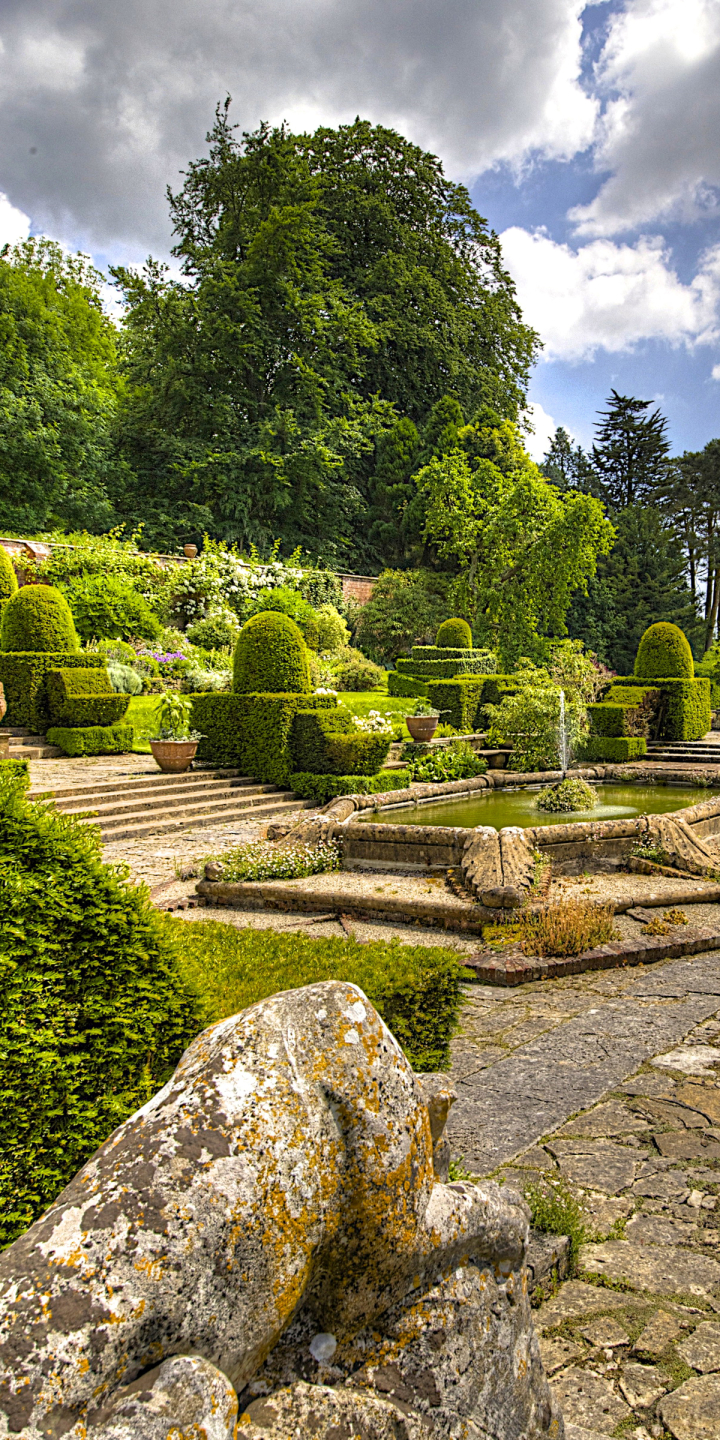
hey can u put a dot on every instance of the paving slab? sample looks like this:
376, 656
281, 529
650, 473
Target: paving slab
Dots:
692, 1412
659, 1332
660, 1269
701, 1350
589, 1399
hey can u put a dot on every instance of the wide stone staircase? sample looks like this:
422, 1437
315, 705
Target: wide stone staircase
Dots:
134, 807
26, 746
686, 752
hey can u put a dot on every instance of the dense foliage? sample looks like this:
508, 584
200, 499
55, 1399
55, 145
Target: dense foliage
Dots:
39, 618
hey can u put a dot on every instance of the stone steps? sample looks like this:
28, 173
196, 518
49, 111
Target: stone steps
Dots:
686, 752
133, 808
26, 746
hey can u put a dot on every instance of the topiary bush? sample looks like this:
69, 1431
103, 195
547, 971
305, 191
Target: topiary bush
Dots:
84, 698
270, 657
8, 578
251, 731
108, 607
94, 1015
24, 676
329, 743
456, 634
38, 618
92, 739
664, 653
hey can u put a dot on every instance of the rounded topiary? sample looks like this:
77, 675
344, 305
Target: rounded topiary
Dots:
454, 635
8, 578
664, 654
270, 657
38, 618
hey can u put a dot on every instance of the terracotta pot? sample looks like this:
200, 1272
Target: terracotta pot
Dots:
190, 551
174, 756
422, 727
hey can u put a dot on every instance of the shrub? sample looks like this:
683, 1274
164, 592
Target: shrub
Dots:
270, 657
457, 761
417, 990
38, 618
124, 679
8, 578
569, 795
24, 679
455, 633
664, 652
197, 681
92, 739
614, 749
216, 632
94, 1015
251, 731
83, 698
405, 685
260, 860
567, 928
333, 633
14, 774
683, 707
327, 743
358, 675
291, 603
463, 700
554, 1210
405, 609
529, 720
108, 607
323, 788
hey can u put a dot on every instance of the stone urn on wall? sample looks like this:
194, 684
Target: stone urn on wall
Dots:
190, 551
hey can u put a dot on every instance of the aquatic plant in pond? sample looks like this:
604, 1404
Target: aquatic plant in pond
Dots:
567, 796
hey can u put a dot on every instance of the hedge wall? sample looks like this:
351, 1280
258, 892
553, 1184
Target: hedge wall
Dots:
24, 675
322, 788
251, 731
440, 669
92, 739
614, 748
466, 696
329, 744
441, 652
405, 686
684, 708
83, 698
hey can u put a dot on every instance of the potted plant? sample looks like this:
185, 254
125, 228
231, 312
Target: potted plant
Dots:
423, 721
175, 744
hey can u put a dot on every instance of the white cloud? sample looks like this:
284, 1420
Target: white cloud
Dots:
610, 296
544, 428
660, 73
102, 104
14, 225
715, 372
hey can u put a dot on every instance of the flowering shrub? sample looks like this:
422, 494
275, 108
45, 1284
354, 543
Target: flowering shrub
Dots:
221, 578
373, 723
261, 860
164, 658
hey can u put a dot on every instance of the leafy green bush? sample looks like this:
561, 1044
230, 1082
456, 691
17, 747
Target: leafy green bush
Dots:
358, 675
664, 652
569, 795
457, 761
291, 603
260, 860
529, 720
8, 578
251, 731
14, 774
333, 633
405, 609
24, 679
323, 788
94, 1015
270, 657
38, 618
198, 681
92, 739
108, 607
405, 686
124, 679
455, 633
216, 632
328, 743
613, 749
84, 698
105, 555
417, 990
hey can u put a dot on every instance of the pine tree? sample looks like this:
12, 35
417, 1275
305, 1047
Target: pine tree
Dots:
567, 466
631, 451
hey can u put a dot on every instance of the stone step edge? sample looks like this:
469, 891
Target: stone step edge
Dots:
202, 822
518, 969
281, 895
198, 808
146, 780
191, 800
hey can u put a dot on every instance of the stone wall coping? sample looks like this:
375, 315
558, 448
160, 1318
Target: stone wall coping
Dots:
514, 968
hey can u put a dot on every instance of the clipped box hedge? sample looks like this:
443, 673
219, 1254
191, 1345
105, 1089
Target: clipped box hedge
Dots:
466, 664
322, 788
614, 749
83, 697
251, 732
92, 739
684, 710
327, 743
440, 652
464, 698
24, 675
404, 686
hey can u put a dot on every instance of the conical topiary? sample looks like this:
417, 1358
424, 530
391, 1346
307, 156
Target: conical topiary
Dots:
664, 654
454, 635
8, 578
271, 657
38, 617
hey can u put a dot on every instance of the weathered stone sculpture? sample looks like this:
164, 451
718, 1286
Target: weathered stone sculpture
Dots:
271, 1221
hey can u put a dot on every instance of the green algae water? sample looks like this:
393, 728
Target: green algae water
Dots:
519, 807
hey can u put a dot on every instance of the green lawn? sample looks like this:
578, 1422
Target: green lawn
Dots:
141, 714
142, 708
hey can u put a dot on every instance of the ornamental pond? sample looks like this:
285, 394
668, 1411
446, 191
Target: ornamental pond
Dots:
519, 807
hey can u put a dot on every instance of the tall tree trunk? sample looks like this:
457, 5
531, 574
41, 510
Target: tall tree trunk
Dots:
711, 608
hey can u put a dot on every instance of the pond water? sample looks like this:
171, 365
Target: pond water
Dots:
519, 807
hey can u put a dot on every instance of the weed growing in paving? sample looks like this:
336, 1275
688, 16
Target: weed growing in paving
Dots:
568, 928
555, 1211
261, 860
670, 919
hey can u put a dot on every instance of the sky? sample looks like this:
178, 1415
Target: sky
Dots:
588, 135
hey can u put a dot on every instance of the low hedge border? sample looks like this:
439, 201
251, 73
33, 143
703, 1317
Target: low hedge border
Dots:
613, 748
82, 698
251, 732
24, 676
461, 700
92, 739
442, 669
321, 788
327, 743
405, 687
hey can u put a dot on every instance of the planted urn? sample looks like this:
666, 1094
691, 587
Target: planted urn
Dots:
175, 745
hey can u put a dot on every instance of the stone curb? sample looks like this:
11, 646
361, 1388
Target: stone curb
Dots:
256, 895
514, 968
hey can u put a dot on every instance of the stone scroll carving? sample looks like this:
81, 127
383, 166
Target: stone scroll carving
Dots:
270, 1226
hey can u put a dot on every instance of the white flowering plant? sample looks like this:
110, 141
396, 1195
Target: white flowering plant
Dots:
373, 723
221, 578
261, 860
